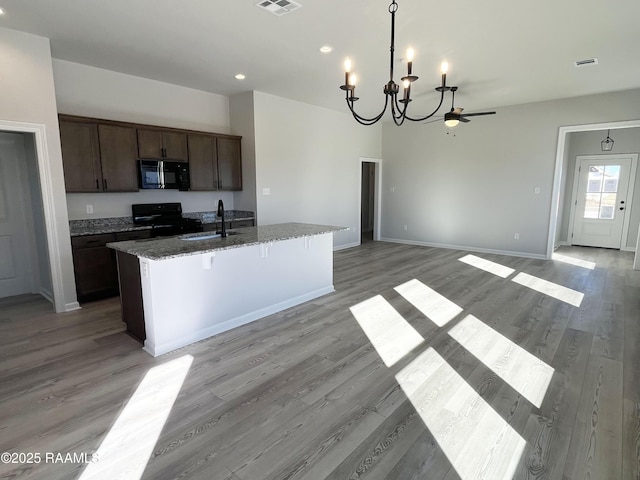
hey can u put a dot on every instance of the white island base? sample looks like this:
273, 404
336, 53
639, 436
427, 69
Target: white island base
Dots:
189, 298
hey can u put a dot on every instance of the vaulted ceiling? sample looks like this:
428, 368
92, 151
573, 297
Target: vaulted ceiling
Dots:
500, 52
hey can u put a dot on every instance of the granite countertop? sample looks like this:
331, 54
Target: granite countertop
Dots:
172, 247
77, 229
125, 224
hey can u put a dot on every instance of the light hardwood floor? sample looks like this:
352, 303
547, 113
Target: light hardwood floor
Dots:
513, 383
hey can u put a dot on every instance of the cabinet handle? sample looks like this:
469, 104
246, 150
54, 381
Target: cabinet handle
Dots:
163, 152
97, 184
105, 184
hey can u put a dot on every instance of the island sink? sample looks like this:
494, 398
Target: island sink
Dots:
207, 236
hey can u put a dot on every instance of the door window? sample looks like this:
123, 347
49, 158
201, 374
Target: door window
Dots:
602, 190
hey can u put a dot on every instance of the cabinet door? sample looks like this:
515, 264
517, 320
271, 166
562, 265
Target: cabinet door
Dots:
229, 163
175, 146
80, 156
95, 267
202, 162
160, 144
149, 144
118, 156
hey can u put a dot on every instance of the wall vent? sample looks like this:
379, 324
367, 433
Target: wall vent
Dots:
586, 62
278, 7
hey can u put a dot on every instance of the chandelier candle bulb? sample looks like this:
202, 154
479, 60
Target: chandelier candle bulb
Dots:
347, 70
409, 60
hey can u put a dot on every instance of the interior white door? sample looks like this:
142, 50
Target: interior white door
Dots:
15, 262
600, 203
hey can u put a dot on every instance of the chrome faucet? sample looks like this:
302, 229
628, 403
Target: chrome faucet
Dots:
223, 229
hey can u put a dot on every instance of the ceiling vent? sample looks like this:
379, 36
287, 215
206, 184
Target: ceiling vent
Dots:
278, 7
587, 62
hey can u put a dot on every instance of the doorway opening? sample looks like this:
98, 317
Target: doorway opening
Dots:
24, 257
561, 220
369, 199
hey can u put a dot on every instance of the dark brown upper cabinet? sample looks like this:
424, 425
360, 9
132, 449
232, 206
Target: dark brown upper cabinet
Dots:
97, 157
101, 155
81, 156
229, 163
118, 158
214, 162
162, 145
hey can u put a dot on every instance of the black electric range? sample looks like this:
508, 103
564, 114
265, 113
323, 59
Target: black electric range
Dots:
165, 219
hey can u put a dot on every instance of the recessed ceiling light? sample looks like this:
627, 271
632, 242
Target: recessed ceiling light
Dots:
240, 76
326, 48
2, 11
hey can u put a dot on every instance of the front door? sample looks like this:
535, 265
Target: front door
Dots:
15, 261
600, 201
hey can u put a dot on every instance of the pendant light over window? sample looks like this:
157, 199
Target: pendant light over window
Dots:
607, 144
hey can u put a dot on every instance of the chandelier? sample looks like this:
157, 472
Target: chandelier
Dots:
399, 103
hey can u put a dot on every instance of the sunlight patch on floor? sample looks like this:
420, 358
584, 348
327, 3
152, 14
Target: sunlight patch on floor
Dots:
526, 374
126, 449
478, 442
573, 261
487, 266
554, 290
440, 310
391, 335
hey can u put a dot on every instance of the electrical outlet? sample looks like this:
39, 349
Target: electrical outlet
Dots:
266, 191
536, 190
516, 236
89, 208
406, 227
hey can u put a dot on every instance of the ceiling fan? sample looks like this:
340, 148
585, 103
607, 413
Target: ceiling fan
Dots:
455, 115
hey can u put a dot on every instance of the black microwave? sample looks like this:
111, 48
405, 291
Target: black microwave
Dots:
163, 174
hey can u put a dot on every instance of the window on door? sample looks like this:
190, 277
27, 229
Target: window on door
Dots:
602, 191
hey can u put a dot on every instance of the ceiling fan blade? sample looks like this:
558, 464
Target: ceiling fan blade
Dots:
458, 110
464, 120
432, 121
478, 114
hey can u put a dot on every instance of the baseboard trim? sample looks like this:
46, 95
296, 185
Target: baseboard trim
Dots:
70, 307
46, 294
346, 245
538, 256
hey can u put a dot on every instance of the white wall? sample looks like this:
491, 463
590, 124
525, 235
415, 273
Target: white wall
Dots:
28, 96
626, 140
242, 123
476, 190
93, 92
309, 159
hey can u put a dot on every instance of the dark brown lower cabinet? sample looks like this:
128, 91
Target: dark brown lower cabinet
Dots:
95, 266
131, 295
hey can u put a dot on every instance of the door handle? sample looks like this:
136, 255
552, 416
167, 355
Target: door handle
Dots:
621, 208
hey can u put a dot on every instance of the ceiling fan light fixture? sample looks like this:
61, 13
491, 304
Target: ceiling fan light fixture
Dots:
607, 144
452, 122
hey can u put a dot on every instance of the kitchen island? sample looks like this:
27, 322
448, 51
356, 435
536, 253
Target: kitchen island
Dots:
179, 290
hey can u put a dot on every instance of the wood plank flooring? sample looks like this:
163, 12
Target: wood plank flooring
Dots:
305, 395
